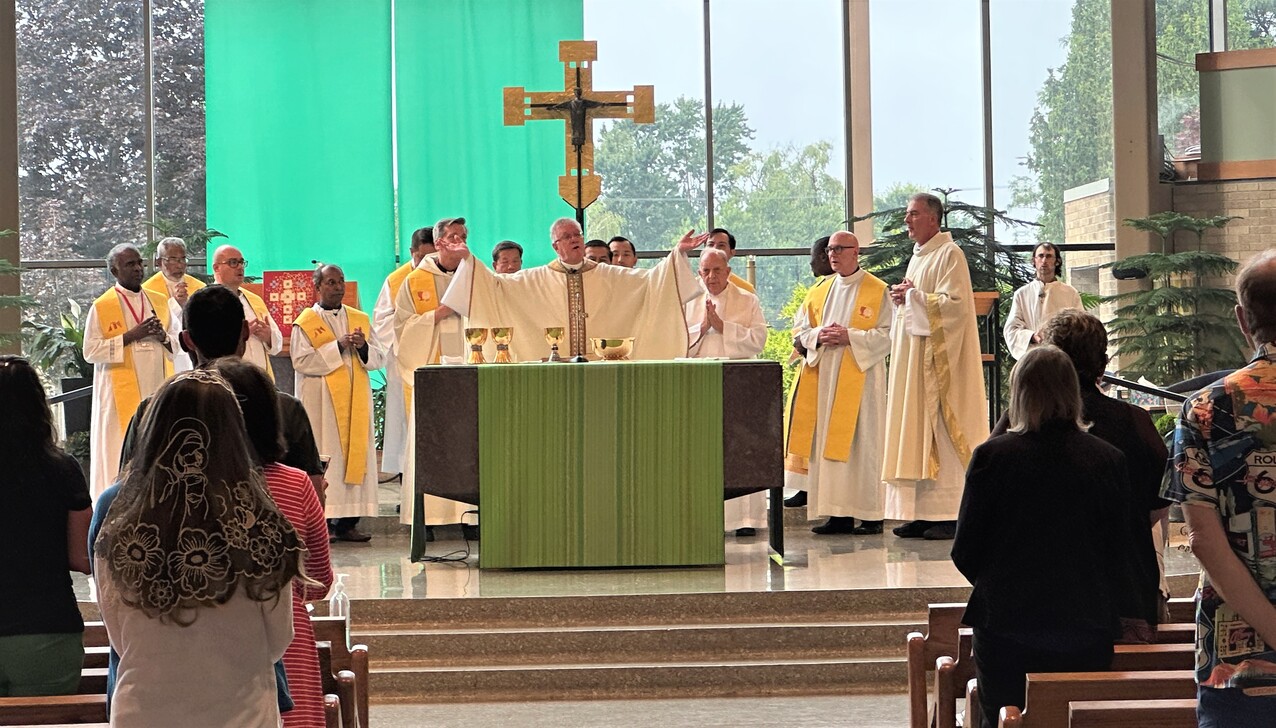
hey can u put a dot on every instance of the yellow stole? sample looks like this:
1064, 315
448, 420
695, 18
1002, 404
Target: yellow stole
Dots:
804, 402
354, 420
425, 298
156, 284
742, 283
263, 314
396, 278
125, 390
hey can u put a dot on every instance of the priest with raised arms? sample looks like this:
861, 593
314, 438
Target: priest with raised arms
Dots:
837, 412
428, 332
586, 299
333, 350
936, 410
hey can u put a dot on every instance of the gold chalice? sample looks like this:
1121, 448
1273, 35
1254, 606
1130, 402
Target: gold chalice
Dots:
502, 335
613, 349
476, 337
554, 337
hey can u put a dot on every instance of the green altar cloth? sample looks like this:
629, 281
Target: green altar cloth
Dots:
604, 464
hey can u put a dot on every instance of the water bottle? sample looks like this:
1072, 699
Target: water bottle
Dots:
339, 604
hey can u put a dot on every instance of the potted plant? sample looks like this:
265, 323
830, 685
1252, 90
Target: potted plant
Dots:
57, 350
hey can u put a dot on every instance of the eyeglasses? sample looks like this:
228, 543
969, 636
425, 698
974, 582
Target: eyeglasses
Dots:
174, 259
235, 262
841, 248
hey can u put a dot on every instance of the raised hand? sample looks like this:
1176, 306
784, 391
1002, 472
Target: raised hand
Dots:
691, 241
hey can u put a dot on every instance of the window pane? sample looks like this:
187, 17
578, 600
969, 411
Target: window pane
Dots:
779, 132
653, 185
1250, 24
80, 109
927, 99
178, 31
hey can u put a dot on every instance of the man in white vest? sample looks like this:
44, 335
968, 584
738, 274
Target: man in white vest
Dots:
129, 338
727, 322
936, 410
837, 410
333, 350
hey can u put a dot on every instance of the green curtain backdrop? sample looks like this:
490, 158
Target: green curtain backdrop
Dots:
456, 157
298, 134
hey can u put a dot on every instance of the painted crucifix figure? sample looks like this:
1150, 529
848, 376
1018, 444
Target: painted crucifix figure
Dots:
579, 105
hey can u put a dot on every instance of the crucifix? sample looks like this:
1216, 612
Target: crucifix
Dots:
579, 105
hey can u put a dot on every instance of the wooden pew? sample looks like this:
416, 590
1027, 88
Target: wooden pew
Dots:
1050, 693
1132, 713
339, 689
940, 640
53, 709
1132, 658
354, 659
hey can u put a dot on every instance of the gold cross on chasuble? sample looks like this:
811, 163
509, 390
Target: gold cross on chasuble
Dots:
577, 335
579, 105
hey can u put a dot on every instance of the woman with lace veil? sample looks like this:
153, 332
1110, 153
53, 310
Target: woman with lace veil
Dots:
44, 511
193, 567
296, 497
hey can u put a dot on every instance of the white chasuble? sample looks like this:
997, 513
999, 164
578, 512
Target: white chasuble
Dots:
1030, 309
256, 351
853, 486
743, 336
394, 437
936, 411
122, 375
420, 341
312, 365
607, 301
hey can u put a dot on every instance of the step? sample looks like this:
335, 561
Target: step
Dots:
762, 607
657, 644
719, 679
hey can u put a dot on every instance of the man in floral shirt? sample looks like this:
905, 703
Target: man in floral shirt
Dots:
1225, 476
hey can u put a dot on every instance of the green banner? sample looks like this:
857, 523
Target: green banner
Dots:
298, 134
456, 157
601, 464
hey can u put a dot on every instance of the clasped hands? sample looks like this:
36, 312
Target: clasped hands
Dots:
354, 340
833, 335
711, 318
900, 290
261, 330
151, 328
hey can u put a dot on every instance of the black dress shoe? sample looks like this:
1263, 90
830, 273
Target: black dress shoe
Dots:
941, 531
797, 500
835, 524
745, 532
867, 528
352, 535
912, 529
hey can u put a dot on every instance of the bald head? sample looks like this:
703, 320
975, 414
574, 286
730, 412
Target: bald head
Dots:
844, 252
228, 267
1256, 298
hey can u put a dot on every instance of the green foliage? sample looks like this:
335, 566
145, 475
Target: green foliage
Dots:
195, 236
779, 340
77, 446
1176, 325
57, 350
1165, 423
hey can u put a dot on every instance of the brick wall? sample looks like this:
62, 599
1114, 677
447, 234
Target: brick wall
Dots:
1253, 200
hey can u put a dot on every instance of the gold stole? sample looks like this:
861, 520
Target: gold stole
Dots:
804, 400
425, 298
742, 283
263, 314
344, 387
577, 334
396, 278
125, 390
157, 284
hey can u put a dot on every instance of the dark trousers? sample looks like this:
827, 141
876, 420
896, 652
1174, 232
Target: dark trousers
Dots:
341, 525
1002, 664
1231, 708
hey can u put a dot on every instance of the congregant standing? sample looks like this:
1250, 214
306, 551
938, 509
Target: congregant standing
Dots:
332, 352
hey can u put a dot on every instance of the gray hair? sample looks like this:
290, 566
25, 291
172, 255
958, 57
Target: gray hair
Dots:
317, 276
166, 243
561, 222
440, 227
1043, 388
933, 203
115, 253
711, 252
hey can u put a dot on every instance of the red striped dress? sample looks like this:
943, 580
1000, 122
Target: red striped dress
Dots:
296, 497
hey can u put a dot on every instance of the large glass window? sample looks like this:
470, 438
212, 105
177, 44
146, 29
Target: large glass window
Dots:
1182, 31
927, 99
653, 174
778, 134
178, 33
1250, 24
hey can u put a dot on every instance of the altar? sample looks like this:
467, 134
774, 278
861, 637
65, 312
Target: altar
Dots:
600, 464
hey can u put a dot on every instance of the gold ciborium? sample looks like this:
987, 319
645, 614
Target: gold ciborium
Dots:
476, 338
554, 337
613, 349
502, 335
